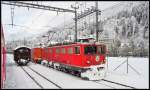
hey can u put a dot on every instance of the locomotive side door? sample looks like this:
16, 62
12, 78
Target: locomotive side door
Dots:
77, 58
101, 49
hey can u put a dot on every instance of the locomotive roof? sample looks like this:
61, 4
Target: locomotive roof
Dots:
21, 47
77, 44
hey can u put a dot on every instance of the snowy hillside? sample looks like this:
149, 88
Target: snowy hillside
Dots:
129, 26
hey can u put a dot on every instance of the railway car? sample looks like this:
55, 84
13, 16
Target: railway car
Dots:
36, 54
44, 55
3, 59
84, 60
22, 55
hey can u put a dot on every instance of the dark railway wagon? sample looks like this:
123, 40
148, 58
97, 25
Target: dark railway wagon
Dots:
22, 55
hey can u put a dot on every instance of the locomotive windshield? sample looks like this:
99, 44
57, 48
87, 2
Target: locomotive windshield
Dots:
94, 50
90, 50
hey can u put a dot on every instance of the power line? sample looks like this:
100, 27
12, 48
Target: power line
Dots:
37, 6
17, 25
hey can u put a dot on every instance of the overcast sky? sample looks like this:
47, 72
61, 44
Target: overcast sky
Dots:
35, 21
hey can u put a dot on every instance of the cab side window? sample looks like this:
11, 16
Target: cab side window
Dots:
77, 50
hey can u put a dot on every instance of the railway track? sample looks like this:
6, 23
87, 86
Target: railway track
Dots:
113, 85
37, 81
107, 83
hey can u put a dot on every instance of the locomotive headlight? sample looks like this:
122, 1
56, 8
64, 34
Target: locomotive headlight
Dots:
97, 58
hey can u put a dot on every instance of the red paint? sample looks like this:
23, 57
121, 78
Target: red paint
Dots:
36, 54
78, 60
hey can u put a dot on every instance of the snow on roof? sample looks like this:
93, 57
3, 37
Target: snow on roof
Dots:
21, 46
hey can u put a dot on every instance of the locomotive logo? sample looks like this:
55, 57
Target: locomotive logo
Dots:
97, 58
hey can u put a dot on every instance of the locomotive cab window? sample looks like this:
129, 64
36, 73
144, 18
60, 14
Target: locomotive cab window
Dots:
90, 50
101, 49
77, 50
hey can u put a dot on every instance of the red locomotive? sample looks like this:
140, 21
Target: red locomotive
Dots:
3, 59
81, 59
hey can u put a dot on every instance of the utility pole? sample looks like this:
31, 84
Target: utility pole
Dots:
75, 7
90, 11
97, 27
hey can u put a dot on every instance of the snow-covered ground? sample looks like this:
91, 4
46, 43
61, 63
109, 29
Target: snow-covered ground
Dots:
141, 65
17, 78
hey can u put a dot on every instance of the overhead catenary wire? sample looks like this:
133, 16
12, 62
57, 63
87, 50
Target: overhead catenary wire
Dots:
52, 28
41, 13
16, 25
84, 22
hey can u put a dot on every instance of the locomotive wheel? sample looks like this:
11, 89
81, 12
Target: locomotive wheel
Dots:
63, 70
77, 73
85, 78
72, 72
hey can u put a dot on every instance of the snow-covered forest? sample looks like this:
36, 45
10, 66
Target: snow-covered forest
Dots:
130, 29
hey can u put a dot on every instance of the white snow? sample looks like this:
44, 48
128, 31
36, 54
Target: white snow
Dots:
65, 80
132, 78
45, 83
17, 78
